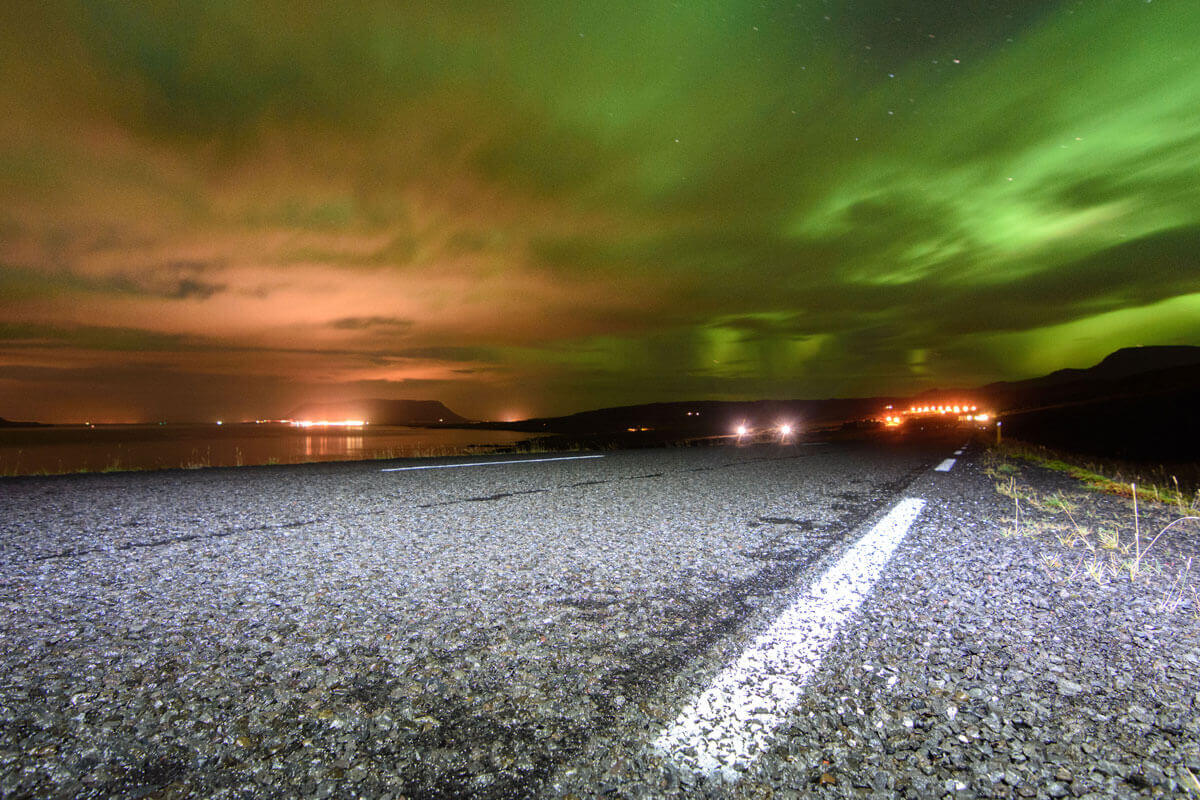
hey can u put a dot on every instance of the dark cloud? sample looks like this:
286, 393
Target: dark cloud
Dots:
192, 288
89, 337
388, 324
446, 353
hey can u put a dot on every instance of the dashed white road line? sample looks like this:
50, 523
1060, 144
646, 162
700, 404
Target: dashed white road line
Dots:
733, 721
488, 463
945, 466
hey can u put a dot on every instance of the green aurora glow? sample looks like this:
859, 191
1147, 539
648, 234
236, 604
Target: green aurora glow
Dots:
528, 209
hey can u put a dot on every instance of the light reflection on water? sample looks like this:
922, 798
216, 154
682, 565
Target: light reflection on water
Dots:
75, 448
334, 446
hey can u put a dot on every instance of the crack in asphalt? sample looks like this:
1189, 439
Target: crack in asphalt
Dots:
187, 537
220, 534
806, 524
485, 499
601, 482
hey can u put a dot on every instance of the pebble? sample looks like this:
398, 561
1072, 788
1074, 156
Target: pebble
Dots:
379, 649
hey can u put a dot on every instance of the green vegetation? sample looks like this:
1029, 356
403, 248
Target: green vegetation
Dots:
1158, 483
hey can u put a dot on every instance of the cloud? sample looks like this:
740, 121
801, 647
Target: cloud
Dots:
622, 201
390, 324
436, 353
191, 288
93, 337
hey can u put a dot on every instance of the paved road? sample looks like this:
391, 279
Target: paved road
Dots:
500, 631
500, 617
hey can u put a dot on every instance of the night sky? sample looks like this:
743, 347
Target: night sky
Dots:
224, 209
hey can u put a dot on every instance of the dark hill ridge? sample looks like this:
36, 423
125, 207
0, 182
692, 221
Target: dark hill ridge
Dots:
703, 417
1133, 360
8, 423
1120, 364
1131, 371
1138, 404
379, 411
1141, 378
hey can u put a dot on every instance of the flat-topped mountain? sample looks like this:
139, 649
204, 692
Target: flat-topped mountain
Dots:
378, 411
9, 423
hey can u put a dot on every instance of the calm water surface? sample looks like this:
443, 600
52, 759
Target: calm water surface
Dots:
26, 451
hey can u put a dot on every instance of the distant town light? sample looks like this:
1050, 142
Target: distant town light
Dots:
325, 423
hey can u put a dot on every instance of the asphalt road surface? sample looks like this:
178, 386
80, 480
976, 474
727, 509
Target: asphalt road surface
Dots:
519, 629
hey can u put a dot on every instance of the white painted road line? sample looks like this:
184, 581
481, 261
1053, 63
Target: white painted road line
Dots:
945, 465
734, 720
489, 463
958, 452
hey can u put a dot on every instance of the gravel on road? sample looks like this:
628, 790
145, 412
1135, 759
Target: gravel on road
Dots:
523, 631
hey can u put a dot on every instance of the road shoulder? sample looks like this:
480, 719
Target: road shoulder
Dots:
983, 665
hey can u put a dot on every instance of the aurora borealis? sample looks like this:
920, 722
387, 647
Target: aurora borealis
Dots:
224, 209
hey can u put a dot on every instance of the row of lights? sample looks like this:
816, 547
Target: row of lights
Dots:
970, 412
941, 409
307, 423
324, 423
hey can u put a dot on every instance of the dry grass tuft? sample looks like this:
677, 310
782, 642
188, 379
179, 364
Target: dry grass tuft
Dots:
1117, 546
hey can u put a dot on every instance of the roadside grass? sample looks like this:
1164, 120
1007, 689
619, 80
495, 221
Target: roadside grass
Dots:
1154, 482
1115, 543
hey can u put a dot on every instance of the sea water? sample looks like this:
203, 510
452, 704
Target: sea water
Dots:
85, 448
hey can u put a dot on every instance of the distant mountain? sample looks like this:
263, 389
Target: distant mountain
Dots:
1131, 371
1134, 360
379, 411
702, 417
1137, 404
1147, 373
8, 423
